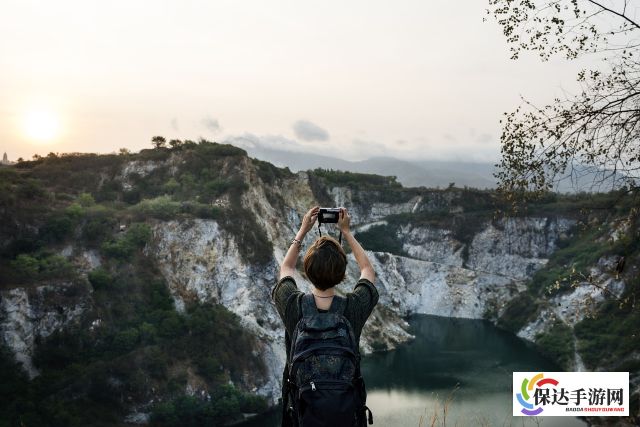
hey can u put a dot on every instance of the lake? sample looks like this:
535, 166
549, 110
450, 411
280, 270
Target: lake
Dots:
467, 361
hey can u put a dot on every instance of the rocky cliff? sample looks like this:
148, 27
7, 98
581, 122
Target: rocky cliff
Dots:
450, 258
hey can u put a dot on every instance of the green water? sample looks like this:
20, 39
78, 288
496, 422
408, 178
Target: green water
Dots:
468, 360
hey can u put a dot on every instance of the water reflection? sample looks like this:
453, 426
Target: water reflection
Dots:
414, 380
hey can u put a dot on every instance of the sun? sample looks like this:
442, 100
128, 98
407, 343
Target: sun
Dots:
41, 125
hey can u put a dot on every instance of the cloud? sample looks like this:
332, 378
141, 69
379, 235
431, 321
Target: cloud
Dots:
449, 137
211, 124
174, 124
308, 131
249, 141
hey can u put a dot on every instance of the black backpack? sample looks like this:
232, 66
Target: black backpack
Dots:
322, 384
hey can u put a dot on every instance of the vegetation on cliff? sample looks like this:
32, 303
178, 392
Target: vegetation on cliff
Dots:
131, 347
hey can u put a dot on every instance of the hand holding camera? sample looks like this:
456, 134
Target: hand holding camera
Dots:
338, 216
344, 221
310, 219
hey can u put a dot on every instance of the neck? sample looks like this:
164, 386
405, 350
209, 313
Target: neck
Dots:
326, 293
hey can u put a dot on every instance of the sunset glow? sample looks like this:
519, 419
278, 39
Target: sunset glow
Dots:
41, 126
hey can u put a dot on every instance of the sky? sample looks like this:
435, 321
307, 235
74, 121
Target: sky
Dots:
353, 79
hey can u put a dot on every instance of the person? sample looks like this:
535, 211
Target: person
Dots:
325, 265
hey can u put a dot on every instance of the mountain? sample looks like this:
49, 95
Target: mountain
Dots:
430, 174
136, 287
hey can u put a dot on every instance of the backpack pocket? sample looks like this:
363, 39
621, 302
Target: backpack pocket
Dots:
328, 403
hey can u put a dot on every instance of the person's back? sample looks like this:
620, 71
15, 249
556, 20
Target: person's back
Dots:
324, 361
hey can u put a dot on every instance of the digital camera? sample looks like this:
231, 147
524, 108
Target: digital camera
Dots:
328, 215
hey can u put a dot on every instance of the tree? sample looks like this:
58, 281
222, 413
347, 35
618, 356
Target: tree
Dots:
175, 143
593, 133
159, 141
124, 151
86, 200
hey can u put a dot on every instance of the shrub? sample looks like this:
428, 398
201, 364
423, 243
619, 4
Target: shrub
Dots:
212, 149
162, 207
119, 248
611, 334
253, 244
171, 185
123, 247
172, 326
156, 362
201, 210
226, 405
43, 266
518, 312
57, 228
97, 229
139, 234
126, 340
30, 189
132, 196
269, 173
557, 343
27, 266
55, 266
75, 211
86, 200
381, 238
100, 278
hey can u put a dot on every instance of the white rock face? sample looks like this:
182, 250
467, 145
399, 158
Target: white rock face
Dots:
410, 286
202, 263
360, 214
572, 307
516, 247
28, 314
145, 167
432, 244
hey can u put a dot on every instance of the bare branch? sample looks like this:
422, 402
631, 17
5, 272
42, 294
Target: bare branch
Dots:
621, 15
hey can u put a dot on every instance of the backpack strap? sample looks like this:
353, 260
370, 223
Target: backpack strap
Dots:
308, 305
338, 305
309, 308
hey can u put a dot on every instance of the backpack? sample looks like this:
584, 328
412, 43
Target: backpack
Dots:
322, 384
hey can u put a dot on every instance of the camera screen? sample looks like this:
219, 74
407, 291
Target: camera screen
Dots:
330, 215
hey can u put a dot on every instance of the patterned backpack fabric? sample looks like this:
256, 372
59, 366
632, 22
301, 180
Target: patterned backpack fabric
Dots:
322, 377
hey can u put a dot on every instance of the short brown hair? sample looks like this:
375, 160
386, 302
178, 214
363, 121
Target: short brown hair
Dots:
325, 263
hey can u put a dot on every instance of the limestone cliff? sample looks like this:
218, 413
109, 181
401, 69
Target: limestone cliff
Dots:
447, 262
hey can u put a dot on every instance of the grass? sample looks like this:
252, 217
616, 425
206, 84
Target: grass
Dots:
558, 344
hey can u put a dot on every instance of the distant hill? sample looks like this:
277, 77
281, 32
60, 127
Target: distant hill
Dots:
427, 173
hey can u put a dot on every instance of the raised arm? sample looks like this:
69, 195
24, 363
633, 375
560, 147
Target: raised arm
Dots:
366, 269
288, 266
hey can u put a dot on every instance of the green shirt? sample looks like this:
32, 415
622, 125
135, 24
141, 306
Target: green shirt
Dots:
360, 304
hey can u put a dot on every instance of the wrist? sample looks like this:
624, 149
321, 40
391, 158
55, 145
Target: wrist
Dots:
296, 243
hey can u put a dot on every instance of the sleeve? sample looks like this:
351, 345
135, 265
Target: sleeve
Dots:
364, 298
285, 296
